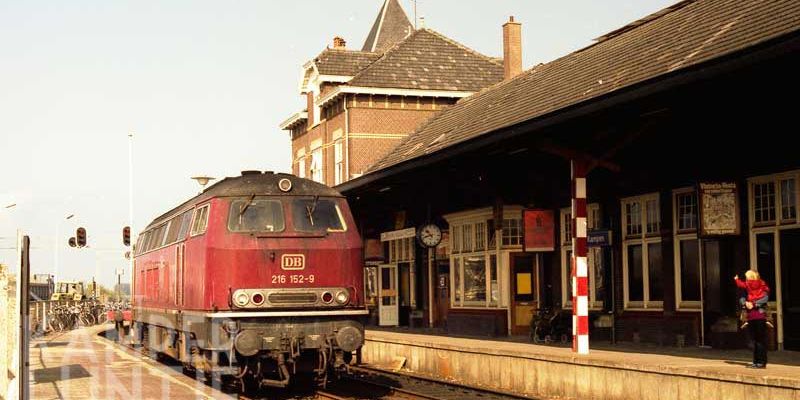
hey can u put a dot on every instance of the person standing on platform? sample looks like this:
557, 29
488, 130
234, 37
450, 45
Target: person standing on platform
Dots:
755, 304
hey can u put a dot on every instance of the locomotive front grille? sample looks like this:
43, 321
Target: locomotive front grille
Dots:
296, 298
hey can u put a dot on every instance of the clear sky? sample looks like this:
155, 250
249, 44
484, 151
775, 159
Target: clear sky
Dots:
203, 86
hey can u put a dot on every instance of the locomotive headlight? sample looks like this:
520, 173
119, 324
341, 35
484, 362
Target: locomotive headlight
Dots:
342, 297
241, 299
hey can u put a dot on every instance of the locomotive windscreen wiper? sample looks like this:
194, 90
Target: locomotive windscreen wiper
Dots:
310, 210
246, 205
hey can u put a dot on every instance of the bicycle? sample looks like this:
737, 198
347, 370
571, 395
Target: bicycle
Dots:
547, 325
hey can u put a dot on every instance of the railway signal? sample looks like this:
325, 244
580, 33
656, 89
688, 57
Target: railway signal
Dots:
72, 242
80, 237
126, 236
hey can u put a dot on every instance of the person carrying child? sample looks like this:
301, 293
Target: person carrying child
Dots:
755, 302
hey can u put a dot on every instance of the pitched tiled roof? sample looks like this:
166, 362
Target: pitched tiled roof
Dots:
692, 32
428, 60
343, 62
390, 27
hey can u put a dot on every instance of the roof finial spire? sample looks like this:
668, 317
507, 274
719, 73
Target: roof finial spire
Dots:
391, 26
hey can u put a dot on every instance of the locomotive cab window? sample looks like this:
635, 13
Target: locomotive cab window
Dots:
200, 220
255, 215
315, 214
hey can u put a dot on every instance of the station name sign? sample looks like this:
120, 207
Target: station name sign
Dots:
599, 238
399, 234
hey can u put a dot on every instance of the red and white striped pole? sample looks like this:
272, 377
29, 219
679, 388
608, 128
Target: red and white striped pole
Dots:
580, 271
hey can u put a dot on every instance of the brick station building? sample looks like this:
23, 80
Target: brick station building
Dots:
681, 123
360, 104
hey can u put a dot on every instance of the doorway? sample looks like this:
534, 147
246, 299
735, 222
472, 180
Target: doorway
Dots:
388, 311
790, 287
524, 293
442, 293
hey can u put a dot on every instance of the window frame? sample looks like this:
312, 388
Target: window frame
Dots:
778, 199
316, 169
480, 230
301, 167
770, 228
644, 238
257, 198
678, 236
594, 254
338, 162
197, 213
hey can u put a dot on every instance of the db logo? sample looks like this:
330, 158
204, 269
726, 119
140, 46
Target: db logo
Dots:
293, 261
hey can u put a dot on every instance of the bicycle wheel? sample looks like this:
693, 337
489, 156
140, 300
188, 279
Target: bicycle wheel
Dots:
537, 338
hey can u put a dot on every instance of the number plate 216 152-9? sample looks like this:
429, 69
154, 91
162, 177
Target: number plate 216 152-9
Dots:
278, 279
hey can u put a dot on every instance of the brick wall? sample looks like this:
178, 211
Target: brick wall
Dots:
371, 118
382, 120
365, 152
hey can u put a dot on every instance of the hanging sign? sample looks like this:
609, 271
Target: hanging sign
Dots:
539, 230
399, 234
599, 238
718, 203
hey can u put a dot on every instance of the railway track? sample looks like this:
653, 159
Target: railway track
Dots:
370, 383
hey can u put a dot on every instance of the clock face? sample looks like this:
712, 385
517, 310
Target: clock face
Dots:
430, 235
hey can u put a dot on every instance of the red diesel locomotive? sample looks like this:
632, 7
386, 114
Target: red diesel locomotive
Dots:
258, 278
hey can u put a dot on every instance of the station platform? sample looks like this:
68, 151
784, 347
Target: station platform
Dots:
608, 372
79, 364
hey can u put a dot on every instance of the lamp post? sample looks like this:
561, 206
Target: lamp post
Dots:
203, 181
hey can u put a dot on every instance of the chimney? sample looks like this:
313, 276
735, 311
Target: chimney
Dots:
339, 43
512, 48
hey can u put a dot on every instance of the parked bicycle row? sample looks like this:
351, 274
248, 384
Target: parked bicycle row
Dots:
60, 317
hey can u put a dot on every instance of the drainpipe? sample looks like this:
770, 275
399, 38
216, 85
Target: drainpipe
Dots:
346, 142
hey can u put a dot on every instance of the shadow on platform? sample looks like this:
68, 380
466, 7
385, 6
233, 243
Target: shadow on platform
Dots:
63, 373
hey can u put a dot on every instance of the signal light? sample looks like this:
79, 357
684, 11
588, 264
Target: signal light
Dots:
80, 237
72, 242
327, 297
126, 236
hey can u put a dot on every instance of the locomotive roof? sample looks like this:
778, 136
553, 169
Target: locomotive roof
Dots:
249, 183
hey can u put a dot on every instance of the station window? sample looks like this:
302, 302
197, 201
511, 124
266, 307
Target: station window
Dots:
473, 268
686, 249
512, 231
642, 262
301, 167
338, 157
594, 260
371, 285
200, 220
316, 165
401, 250
774, 199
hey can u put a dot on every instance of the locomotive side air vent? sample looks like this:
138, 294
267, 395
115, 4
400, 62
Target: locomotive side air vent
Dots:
251, 172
